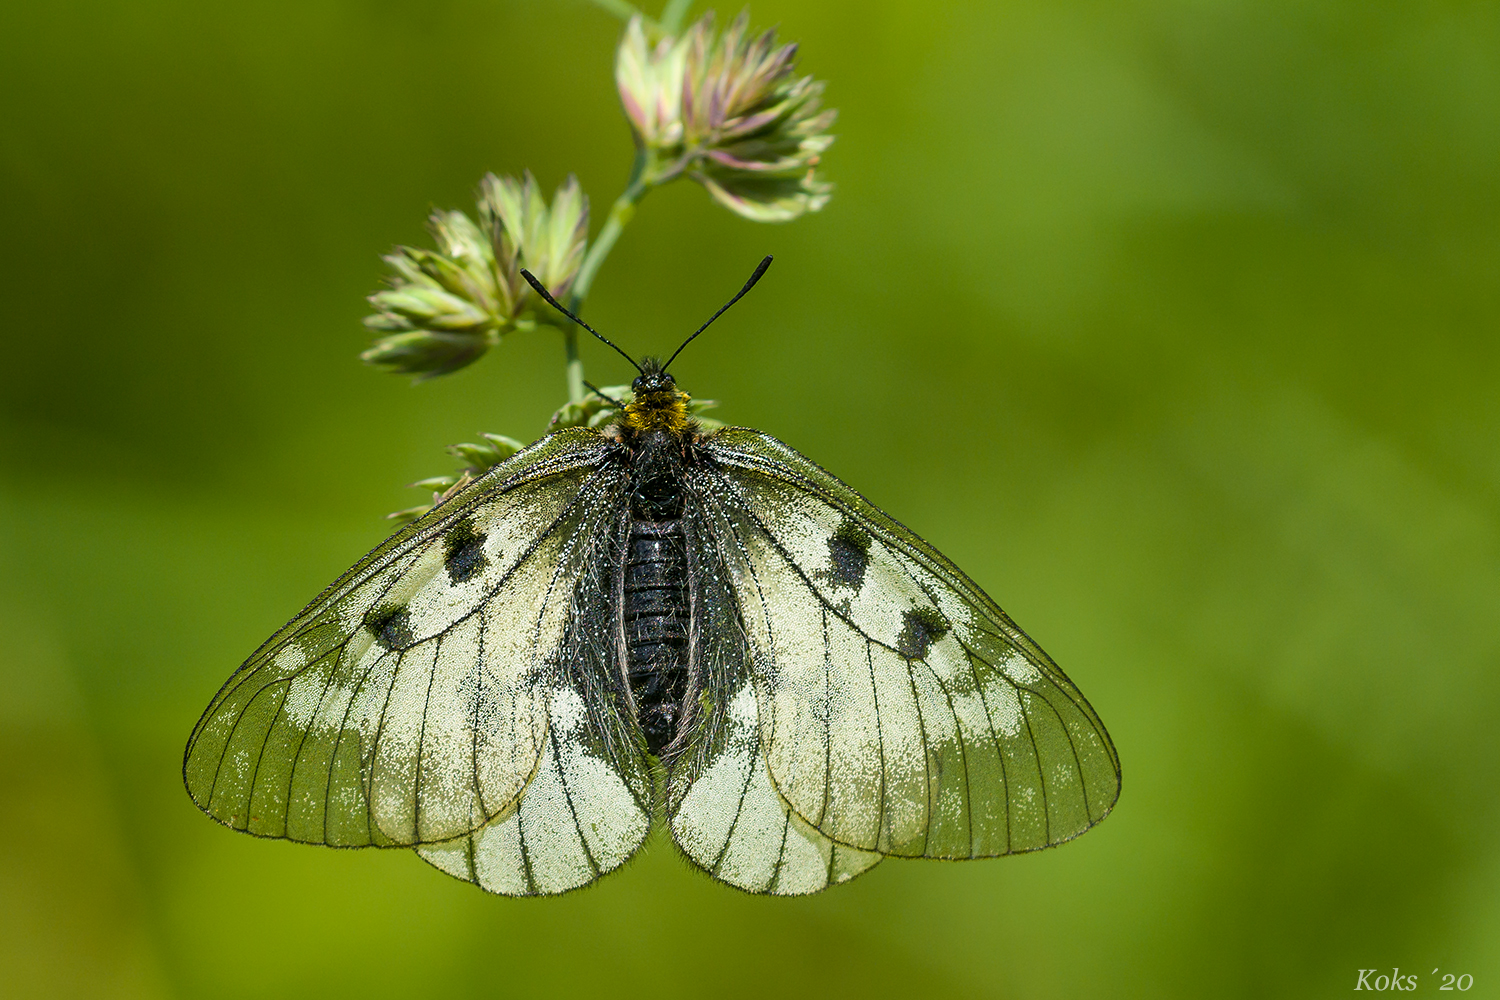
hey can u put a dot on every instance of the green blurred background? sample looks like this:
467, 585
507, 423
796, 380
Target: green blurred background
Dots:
1172, 321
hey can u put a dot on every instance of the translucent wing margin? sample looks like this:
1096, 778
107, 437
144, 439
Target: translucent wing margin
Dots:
900, 710
415, 699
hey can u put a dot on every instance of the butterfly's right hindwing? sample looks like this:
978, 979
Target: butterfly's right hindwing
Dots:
723, 809
414, 701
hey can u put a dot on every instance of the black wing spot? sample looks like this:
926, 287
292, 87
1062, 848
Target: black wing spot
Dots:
924, 626
391, 627
848, 555
464, 552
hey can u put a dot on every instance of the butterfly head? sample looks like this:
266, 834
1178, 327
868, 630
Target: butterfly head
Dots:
656, 403
652, 378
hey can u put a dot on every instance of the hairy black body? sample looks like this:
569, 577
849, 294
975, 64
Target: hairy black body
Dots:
655, 592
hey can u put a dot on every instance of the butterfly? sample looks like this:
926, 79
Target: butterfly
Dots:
647, 621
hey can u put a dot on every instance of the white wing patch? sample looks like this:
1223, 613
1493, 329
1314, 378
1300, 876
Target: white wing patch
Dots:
732, 823
578, 819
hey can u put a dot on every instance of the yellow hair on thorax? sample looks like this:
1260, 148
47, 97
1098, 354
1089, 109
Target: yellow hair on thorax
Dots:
658, 411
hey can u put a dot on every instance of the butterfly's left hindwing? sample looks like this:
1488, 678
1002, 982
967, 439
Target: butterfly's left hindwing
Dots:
429, 692
588, 807
897, 709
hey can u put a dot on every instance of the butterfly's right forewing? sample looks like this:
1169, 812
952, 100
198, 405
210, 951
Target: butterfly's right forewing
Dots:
900, 710
409, 704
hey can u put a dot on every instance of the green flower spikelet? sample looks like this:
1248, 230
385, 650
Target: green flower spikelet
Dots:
446, 307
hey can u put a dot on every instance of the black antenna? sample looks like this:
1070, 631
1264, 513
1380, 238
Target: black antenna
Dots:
531, 280
600, 393
759, 270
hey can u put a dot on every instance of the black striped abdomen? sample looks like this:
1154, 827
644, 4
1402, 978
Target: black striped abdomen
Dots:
656, 625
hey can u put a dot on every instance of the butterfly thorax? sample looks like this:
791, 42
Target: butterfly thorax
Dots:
656, 404
658, 411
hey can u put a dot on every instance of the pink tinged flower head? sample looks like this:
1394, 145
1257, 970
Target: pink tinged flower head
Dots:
728, 110
649, 78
